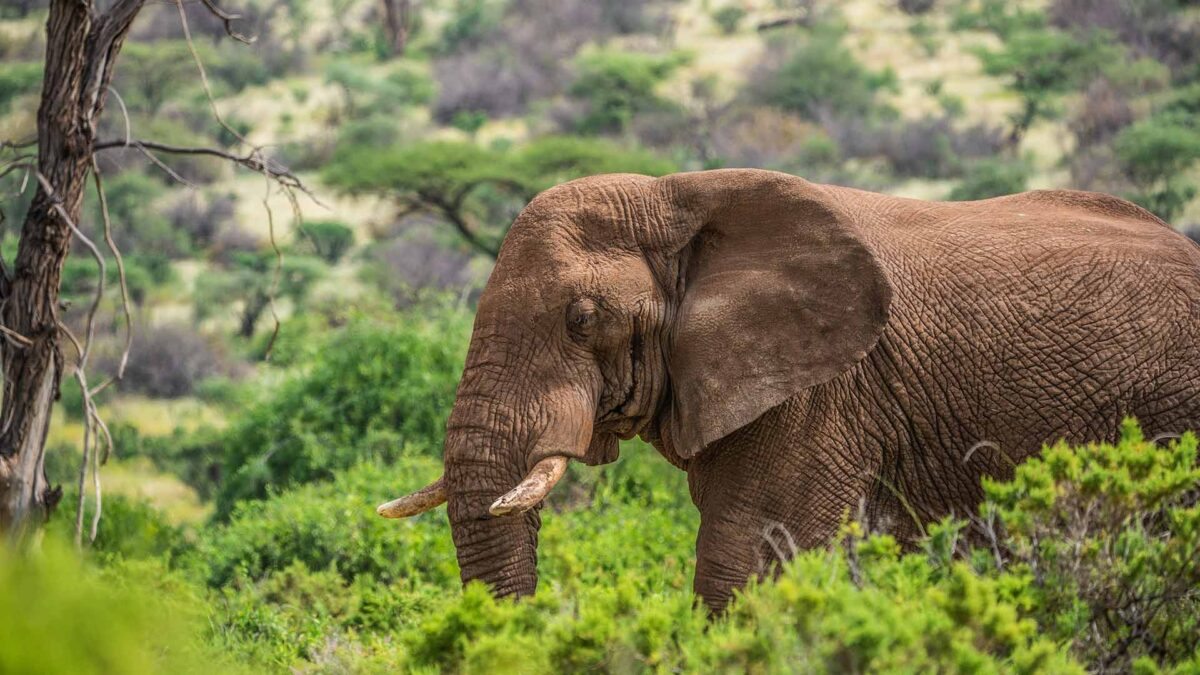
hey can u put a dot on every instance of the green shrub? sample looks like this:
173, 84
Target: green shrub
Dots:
1043, 64
192, 456
1156, 155
728, 18
991, 178
616, 85
333, 526
329, 240
137, 226
18, 79
476, 190
469, 22
1088, 558
813, 73
375, 389
75, 618
996, 16
253, 278
1106, 540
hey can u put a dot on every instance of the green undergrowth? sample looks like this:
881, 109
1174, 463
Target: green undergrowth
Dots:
1088, 559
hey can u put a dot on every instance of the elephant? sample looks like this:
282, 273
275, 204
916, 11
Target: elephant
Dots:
803, 351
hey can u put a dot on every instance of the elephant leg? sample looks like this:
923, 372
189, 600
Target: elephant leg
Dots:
775, 489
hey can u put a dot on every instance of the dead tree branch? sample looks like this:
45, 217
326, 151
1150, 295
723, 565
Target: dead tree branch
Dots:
254, 161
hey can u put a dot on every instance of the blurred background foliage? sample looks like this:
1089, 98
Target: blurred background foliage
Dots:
238, 523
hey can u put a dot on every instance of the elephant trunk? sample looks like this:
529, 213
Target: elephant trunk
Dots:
499, 466
494, 486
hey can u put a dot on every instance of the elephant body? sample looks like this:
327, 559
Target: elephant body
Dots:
805, 352
1014, 322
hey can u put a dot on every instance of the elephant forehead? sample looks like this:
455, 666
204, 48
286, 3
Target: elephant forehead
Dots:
596, 212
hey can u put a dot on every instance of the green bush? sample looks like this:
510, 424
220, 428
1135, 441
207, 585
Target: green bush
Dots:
1086, 560
137, 225
551, 160
333, 526
1043, 64
75, 618
996, 16
18, 79
376, 388
991, 178
813, 73
329, 240
253, 278
1105, 540
728, 18
616, 85
1156, 155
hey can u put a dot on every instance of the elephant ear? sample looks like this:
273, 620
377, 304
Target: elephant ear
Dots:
776, 292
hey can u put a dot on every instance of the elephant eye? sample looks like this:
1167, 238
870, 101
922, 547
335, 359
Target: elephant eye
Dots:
581, 317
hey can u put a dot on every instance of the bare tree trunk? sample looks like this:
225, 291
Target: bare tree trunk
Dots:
81, 49
396, 20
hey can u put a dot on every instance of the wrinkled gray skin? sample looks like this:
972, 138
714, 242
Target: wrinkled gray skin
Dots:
801, 350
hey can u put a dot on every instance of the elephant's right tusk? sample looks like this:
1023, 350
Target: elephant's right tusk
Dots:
541, 479
418, 502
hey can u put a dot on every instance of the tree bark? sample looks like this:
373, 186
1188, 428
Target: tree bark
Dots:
81, 49
396, 18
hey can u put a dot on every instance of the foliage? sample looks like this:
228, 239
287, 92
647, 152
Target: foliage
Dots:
551, 160
1042, 64
75, 618
377, 390
455, 181
1107, 539
1000, 17
137, 225
1156, 154
499, 57
813, 73
333, 526
469, 22
327, 239
728, 18
251, 277
616, 85
365, 95
152, 74
992, 178
18, 79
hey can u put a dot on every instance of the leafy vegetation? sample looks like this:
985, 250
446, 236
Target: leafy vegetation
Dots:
238, 528
372, 391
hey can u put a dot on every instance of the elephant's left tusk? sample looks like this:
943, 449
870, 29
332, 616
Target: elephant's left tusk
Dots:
418, 502
541, 479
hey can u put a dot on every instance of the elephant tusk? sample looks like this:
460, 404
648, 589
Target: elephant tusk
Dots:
541, 479
418, 502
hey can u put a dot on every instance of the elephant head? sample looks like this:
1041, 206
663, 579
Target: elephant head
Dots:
679, 309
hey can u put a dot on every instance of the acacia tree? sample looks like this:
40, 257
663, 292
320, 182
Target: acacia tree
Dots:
83, 44
457, 181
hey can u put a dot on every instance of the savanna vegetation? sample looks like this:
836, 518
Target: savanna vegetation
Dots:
293, 362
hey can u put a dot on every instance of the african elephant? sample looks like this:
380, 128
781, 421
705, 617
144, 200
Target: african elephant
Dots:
801, 350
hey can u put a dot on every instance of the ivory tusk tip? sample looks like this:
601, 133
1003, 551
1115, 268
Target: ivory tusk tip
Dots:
531, 491
417, 503
501, 509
